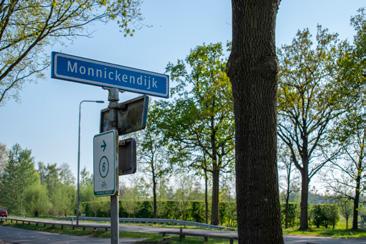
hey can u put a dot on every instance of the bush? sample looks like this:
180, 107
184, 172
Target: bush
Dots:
292, 213
168, 210
144, 210
228, 214
191, 210
197, 212
325, 215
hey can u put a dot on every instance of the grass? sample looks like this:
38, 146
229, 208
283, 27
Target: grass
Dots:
148, 237
340, 231
327, 232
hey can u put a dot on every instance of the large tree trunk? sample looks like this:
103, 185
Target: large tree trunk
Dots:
253, 73
215, 171
206, 196
288, 191
155, 207
287, 207
215, 195
356, 200
304, 200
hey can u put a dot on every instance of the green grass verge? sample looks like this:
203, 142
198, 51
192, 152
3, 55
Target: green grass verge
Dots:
336, 233
148, 237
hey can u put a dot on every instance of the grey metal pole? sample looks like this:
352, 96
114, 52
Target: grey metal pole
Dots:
78, 173
113, 97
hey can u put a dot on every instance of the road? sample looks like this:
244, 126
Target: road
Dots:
15, 235
12, 235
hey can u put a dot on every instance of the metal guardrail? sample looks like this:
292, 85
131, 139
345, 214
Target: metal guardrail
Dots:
205, 236
54, 223
181, 232
153, 221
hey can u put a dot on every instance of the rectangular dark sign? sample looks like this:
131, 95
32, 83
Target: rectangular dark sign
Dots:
127, 157
131, 116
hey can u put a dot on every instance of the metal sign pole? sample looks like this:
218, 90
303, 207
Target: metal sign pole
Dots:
113, 103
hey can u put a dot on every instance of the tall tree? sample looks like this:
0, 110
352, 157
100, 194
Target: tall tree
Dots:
86, 188
61, 194
152, 154
19, 174
200, 117
309, 101
252, 70
350, 129
286, 164
345, 208
66, 176
28, 26
202, 164
37, 199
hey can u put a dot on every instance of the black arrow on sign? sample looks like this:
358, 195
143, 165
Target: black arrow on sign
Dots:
104, 145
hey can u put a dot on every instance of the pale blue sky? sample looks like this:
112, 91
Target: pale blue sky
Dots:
45, 119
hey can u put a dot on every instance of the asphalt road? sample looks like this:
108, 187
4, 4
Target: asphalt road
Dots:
15, 235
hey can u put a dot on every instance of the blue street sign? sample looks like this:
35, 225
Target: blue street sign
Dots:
92, 72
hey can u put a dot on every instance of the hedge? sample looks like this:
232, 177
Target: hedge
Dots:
324, 215
188, 210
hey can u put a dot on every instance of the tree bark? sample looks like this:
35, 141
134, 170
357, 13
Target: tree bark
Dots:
356, 200
155, 207
287, 207
304, 200
215, 172
288, 191
252, 69
206, 196
215, 196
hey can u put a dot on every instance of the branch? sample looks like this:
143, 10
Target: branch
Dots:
343, 169
5, 22
317, 168
15, 81
40, 37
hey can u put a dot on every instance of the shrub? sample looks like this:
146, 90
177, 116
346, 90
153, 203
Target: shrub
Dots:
191, 210
144, 210
325, 215
292, 213
197, 212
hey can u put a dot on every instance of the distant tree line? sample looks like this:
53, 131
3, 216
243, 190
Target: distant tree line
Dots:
25, 190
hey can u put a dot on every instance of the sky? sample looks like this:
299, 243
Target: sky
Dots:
45, 119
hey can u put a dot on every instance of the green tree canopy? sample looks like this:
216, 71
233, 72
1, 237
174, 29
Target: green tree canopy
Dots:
152, 153
199, 119
349, 132
27, 27
19, 174
310, 98
37, 199
61, 191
